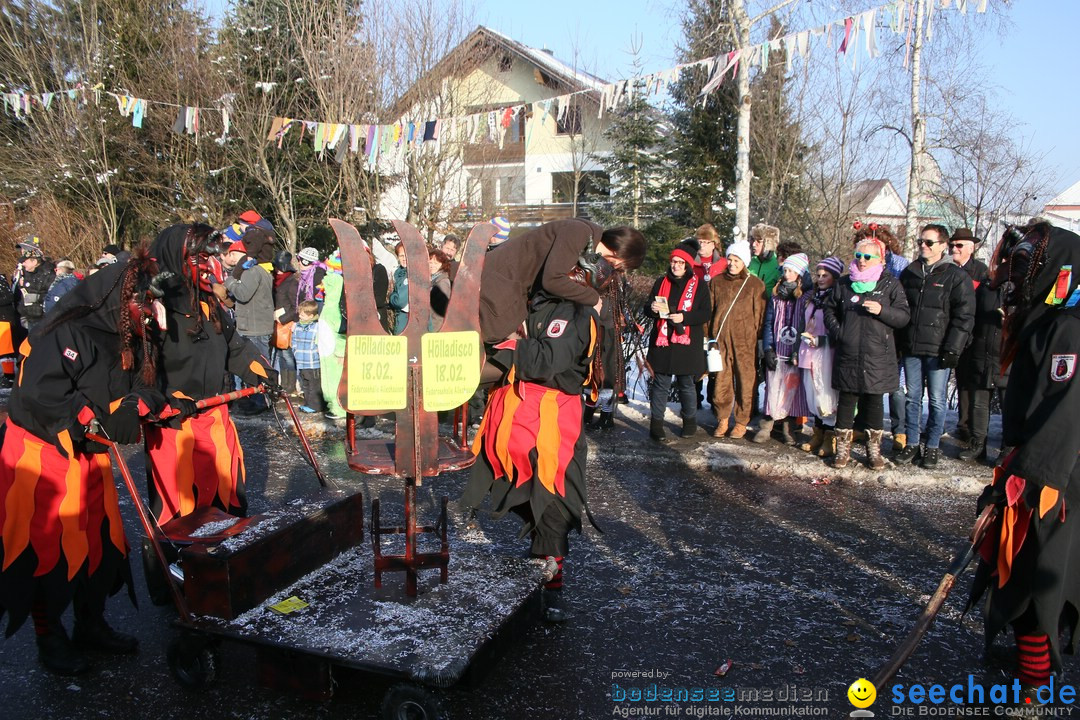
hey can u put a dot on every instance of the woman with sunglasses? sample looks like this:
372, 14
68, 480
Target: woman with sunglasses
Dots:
863, 315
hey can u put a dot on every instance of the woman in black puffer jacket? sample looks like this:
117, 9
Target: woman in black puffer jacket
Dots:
862, 317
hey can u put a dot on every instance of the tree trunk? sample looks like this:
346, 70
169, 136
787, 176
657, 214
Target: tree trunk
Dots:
742, 147
918, 137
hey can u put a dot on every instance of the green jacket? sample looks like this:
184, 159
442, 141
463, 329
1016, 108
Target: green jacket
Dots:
767, 270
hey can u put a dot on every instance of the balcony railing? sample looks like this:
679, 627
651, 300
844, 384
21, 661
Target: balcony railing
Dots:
528, 214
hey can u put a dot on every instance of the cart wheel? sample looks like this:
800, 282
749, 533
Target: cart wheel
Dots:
192, 661
411, 702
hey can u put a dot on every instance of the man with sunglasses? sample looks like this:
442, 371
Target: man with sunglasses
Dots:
941, 298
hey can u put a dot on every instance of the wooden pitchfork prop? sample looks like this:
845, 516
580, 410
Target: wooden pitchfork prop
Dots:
416, 450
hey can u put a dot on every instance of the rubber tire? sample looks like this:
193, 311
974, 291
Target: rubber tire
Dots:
411, 702
192, 661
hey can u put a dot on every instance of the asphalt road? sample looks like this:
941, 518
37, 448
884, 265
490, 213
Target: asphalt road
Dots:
804, 587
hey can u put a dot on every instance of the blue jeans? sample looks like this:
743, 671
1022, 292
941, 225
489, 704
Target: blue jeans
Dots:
661, 387
919, 370
898, 406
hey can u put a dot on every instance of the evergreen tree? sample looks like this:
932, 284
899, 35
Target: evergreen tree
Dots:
780, 194
700, 178
635, 163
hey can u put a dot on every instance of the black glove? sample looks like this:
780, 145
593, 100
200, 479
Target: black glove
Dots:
239, 268
123, 424
185, 407
991, 495
770, 359
950, 360
270, 382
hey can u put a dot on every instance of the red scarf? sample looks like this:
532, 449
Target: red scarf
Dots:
680, 337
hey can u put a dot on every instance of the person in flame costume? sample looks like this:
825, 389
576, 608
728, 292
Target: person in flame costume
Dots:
91, 364
530, 446
1029, 566
197, 461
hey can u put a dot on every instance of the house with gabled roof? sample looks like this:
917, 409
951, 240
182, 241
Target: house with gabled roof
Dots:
1064, 209
520, 131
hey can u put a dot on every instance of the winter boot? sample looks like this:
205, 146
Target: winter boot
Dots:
738, 432
689, 427
976, 450
828, 447
656, 431
721, 429
555, 609
765, 428
785, 431
930, 457
843, 448
906, 454
816, 441
873, 450
57, 653
93, 633
606, 421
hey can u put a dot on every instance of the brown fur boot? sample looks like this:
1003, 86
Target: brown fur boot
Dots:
873, 450
843, 448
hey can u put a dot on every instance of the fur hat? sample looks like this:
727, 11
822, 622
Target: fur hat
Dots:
833, 264
797, 262
687, 250
768, 234
741, 250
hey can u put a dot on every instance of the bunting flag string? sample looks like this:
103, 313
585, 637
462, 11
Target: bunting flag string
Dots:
393, 140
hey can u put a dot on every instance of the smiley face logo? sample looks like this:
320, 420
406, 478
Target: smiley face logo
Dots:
862, 693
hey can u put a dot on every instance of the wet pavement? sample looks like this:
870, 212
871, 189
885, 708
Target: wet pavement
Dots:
802, 585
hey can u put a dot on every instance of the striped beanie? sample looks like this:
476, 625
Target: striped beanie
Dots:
502, 226
833, 264
797, 262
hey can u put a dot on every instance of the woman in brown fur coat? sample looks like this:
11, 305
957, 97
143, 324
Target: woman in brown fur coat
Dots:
738, 309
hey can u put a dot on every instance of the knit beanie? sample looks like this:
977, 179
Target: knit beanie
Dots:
741, 250
502, 225
687, 250
833, 264
797, 262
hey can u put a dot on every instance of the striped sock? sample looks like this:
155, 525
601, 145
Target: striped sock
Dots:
1033, 659
556, 582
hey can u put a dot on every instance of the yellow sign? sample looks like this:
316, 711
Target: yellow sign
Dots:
451, 368
378, 367
288, 605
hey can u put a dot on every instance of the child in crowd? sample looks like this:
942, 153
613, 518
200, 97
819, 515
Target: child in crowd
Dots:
816, 359
305, 346
785, 320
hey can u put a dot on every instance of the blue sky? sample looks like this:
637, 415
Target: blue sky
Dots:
1034, 67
